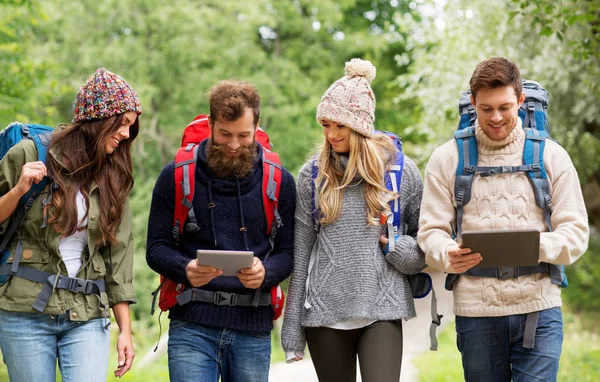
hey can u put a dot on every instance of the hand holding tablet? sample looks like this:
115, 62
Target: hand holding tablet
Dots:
230, 262
199, 275
462, 259
252, 278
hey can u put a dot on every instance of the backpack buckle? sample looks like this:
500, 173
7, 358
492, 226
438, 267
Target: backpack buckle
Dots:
225, 299
548, 199
505, 273
80, 286
25, 130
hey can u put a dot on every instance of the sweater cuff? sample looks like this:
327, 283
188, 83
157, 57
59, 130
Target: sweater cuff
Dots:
290, 355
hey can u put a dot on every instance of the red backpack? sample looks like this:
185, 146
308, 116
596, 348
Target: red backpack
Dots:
185, 169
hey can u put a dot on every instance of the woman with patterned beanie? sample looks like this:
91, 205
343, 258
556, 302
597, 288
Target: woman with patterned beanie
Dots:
348, 293
74, 253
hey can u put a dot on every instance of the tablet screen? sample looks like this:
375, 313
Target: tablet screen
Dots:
504, 248
231, 262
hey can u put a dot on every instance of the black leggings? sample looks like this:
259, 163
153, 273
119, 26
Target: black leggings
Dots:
379, 349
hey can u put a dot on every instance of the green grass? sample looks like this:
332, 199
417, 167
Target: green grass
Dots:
443, 365
579, 362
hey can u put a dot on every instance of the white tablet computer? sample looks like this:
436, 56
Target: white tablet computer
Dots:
510, 248
229, 261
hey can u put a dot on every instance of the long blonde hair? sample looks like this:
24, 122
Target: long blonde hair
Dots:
370, 158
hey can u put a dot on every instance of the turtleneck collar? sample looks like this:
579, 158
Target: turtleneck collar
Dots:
513, 143
343, 158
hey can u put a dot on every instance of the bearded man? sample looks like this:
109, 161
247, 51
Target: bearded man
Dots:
207, 339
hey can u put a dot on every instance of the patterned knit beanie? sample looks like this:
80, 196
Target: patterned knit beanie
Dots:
104, 95
350, 100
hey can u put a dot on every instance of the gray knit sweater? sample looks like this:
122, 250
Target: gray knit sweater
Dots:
351, 277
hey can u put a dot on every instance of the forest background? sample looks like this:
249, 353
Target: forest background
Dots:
292, 50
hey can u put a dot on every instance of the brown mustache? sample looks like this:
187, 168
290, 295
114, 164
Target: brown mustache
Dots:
225, 166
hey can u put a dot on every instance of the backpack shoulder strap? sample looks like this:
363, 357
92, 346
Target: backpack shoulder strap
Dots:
315, 195
42, 142
185, 170
533, 155
271, 186
467, 161
393, 182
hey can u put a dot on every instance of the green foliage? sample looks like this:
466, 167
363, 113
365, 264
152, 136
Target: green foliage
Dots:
584, 280
145, 279
20, 71
559, 19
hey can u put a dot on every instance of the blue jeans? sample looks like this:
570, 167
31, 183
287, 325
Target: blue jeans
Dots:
202, 354
492, 347
32, 342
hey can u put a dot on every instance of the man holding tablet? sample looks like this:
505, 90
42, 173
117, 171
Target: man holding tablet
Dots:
508, 319
221, 325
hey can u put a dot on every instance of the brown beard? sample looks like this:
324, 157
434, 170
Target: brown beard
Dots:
225, 166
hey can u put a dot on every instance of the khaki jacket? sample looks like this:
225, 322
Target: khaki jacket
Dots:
40, 251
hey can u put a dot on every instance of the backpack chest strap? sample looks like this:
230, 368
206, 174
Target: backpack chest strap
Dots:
222, 298
485, 171
505, 273
52, 281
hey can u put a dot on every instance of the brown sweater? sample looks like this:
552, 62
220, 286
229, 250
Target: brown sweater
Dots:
503, 202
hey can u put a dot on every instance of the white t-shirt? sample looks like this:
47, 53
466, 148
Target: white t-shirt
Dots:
71, 247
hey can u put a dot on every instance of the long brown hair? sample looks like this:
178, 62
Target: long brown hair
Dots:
81, 161
370, 158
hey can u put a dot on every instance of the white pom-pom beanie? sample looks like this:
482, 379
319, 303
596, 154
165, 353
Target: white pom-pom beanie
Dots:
350, 100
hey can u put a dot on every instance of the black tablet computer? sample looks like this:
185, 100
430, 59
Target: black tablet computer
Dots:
231, 262
510, 248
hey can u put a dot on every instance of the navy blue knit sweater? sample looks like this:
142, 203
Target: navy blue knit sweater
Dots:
166, 258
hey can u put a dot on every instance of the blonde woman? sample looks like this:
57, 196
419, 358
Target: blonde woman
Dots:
348, 294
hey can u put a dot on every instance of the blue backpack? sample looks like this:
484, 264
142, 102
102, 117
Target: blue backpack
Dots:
421, 284
533, 114
10, 136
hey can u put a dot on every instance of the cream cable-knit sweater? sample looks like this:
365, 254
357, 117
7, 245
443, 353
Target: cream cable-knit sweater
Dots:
500, 202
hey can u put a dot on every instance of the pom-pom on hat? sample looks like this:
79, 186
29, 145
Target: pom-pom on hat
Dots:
350, 100
104, 95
